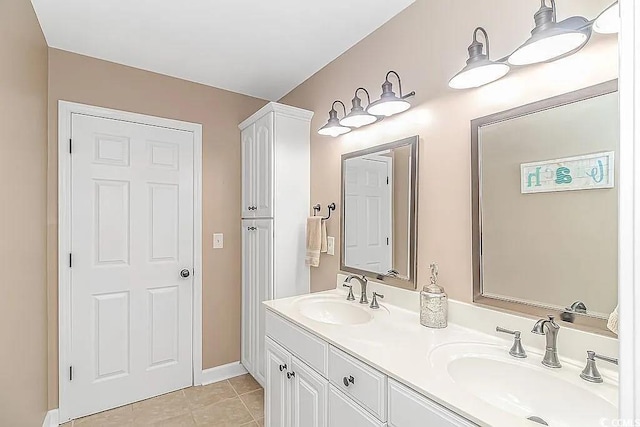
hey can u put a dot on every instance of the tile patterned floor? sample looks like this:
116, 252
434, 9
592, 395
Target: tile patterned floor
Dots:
235, 402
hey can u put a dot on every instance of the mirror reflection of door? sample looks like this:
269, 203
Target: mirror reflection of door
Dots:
368, 213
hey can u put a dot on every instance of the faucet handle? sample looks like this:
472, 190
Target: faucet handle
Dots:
516, 349
374, 301
350, 297
590, 372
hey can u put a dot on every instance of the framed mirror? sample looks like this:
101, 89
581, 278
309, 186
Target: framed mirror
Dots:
545, 207
379, 210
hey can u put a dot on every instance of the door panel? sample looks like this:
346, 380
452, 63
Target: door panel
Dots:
263, 167
248, 139
344, 412
263, 288
309, 396
368, 214
248, 295
132, 232
277, 390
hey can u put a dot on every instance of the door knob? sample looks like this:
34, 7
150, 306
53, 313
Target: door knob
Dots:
184, 273
348, 381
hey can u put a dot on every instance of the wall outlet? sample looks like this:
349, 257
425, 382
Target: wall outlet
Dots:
218, 240
331, 245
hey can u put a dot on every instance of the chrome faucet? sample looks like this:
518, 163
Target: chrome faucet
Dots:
363, 287
549, 328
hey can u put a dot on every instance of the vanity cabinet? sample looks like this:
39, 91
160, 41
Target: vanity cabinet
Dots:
297, 395
311, 383
275, 145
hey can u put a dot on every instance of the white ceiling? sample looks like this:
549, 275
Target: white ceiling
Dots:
262, 48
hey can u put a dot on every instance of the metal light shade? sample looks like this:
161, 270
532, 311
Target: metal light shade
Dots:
390, 104
550, 39
609, 21
333, 127
479, 70
358, 117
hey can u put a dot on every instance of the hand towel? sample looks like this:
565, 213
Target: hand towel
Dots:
612, 324
314, 241
323, 237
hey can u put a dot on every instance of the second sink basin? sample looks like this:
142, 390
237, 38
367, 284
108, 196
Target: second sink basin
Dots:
525, 388
333, 311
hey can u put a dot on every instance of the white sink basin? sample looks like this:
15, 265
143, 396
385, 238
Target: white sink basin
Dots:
525, 388
334, 311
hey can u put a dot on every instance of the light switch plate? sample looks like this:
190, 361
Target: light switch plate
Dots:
331, 245
218, 240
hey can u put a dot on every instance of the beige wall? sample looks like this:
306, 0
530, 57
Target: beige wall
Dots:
558, 247
23, 165
427, 44
91, 81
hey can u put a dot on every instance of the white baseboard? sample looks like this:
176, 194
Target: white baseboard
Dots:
51, 419
223, 372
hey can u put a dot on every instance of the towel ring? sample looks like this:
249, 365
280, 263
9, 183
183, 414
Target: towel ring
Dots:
316, 209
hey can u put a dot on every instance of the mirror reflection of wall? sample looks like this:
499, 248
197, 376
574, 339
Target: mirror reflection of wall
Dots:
548, 217
378, 212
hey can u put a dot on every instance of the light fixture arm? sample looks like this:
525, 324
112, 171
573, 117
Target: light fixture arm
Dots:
365, 91
486, 38
344, 109
386, 78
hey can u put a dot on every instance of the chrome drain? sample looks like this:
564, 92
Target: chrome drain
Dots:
537, 420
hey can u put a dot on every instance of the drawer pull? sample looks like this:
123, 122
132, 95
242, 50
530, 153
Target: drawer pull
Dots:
348, 381
290, 375
283, 367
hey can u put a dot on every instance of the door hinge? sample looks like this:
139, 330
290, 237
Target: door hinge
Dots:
70, 149
70, 373
70, 258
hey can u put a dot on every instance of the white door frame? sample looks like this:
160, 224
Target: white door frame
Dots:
65, 111
629, 211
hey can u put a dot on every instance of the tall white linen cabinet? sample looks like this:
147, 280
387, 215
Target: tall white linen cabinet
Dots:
275, 204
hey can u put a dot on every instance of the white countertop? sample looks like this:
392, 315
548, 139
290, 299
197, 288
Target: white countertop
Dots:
395, 343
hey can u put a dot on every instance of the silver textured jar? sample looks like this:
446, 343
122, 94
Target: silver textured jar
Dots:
433, 303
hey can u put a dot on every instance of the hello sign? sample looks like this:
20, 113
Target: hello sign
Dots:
588, 172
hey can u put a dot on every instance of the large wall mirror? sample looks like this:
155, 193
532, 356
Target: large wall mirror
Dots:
545, 207
379, 203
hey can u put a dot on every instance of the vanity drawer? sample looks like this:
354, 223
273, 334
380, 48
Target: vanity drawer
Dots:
410, 409
306, 346
344, 412
359, 381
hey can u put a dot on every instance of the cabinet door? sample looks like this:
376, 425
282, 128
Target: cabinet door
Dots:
309, 396
345, 412
263, 169
277, 401
248, 139
249, 317
263, 287
409, 409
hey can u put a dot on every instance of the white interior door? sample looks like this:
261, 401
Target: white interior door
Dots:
368, 213
132, 227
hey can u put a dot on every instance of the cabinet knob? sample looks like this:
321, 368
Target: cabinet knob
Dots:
348, 380
283, 367
290, 375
